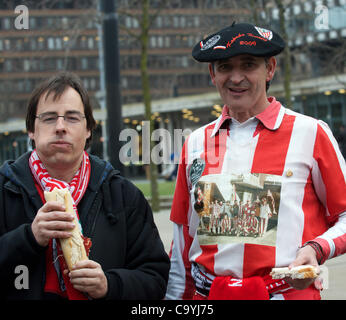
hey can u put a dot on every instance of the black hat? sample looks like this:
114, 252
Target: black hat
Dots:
240, 38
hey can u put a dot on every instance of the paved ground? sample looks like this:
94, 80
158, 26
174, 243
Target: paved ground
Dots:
334, 270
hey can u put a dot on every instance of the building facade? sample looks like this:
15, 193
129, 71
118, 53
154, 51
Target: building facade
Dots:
65, 35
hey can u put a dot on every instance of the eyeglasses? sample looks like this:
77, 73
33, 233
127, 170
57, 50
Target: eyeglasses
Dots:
50, 118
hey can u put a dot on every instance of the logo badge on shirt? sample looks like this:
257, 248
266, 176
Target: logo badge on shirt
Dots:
196, 170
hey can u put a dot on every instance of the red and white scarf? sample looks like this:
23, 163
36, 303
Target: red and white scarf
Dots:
56, 281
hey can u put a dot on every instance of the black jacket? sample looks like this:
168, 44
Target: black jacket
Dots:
113, 213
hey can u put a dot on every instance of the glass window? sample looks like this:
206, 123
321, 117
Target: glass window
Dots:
159, 22
59, 64
58, 43
153, 41
64, 23
135, 23
197, 22
128, 22
8, 65
50, 43
167, 41
92, 83
26, 65
49, 22
309, 108
40, 43
84, 63
90, 42
184, 62
176, 22
33, 43
160, 41
32, 22
322, 108
182, 22
7, 23
19, 44
7, 44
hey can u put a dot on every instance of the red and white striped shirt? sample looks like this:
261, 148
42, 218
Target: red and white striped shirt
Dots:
278, 142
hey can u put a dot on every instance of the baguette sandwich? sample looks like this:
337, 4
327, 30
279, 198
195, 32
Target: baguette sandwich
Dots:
299, 272
73, 247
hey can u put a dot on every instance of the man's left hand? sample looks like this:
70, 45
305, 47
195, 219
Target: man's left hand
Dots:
87, 276
305, 255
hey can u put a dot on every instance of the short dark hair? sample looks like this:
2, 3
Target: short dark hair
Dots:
57, 85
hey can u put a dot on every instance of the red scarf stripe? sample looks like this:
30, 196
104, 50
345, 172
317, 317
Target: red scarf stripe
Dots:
77, 188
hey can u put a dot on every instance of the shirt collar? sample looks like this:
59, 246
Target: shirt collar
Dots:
271, 117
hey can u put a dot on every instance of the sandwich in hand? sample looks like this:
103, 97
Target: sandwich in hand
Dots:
299, 272
73, 247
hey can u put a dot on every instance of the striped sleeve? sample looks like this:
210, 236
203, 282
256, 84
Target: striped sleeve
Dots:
180, 283
181, 199
329, 179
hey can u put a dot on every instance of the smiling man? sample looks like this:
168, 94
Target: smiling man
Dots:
241, 81
257, 149
127, 259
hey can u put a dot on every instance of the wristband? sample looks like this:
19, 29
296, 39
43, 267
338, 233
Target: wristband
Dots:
318, 249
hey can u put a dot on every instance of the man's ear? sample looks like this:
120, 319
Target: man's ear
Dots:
212, 72
31, 135
271, 66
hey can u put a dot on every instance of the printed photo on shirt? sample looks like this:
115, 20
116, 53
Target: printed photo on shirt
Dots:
238, 208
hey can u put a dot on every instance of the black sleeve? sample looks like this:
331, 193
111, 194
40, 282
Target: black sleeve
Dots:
147, 264
17, 246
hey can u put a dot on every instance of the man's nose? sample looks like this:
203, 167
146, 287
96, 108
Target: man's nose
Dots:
60, 124
236, 76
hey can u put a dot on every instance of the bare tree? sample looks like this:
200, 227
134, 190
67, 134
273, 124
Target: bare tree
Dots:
286, 54
146, 19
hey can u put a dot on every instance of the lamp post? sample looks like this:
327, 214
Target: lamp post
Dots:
111, 80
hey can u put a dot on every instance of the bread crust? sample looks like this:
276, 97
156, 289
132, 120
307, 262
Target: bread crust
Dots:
73, 247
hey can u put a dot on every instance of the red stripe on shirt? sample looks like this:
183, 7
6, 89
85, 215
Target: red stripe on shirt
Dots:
214, 150
181, 199
258, 260
333, 178
325, 248
271, 149
340, 247
207, 257
189, 283
315, 222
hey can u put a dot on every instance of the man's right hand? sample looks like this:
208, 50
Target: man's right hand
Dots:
52, 221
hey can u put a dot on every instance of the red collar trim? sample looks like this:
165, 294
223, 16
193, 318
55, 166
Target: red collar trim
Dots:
271, 117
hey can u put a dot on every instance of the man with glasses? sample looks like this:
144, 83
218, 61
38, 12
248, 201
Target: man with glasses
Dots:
127, 259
